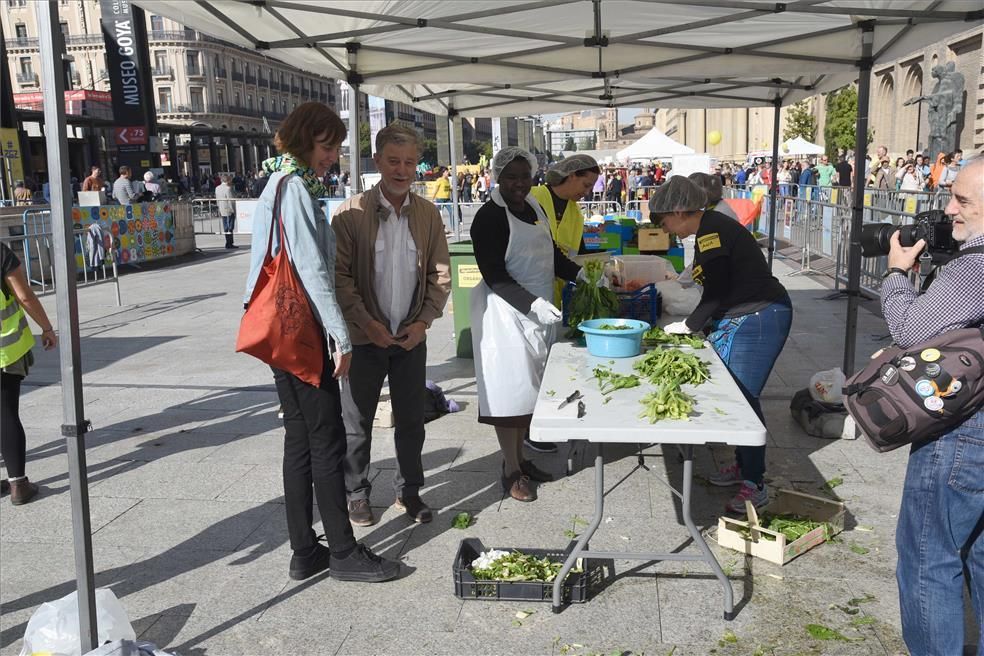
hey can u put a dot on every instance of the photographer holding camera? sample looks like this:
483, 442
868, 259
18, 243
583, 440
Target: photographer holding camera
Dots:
939, 536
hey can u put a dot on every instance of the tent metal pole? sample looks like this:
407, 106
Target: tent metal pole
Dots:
857, 209
74, 426
354, 146
455, 221
774, 190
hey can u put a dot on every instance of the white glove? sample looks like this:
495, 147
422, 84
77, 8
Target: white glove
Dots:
544, 312
677, 328
602, 282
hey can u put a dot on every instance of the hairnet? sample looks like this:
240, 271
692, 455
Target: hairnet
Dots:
678, 194
508, 154
559, 171
710, 184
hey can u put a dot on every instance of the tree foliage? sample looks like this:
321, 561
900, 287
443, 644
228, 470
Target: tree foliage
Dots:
475, 149
428, 151
569, 144
365, 140
842, 118
800, 122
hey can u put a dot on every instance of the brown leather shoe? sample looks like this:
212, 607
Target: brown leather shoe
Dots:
415, 509
520, 487
534, 473
22, 491
360, 513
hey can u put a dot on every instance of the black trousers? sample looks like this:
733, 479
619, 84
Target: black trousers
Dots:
13, 443
314, 448
407, 371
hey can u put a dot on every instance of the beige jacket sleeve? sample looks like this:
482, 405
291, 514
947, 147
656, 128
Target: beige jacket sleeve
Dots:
437, 274
349, 300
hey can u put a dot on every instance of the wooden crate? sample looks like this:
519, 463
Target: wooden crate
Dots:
653, 239
777, 550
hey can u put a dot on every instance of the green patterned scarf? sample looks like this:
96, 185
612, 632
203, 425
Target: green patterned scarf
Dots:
287, 163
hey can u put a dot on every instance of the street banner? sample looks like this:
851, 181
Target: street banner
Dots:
124, 48
10, 147
496, 135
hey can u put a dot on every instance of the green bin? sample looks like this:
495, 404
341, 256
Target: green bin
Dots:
464, 276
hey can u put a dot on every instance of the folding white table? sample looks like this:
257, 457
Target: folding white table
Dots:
722, 416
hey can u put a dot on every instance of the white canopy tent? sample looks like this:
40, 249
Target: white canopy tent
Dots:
652, 145
800, 146
532, 56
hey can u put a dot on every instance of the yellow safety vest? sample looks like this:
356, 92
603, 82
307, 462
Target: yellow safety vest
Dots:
16, 338
567, 234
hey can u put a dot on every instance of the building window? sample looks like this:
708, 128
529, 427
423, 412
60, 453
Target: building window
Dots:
191, 57
197, 99
164, 99
220, 98
283, 107
237, 99
189, 33
156, 24
26, 66
64, 28
21, 30
249, 101
281, 78
263, 104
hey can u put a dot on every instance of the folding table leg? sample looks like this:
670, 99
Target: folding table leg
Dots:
688, 479
582, 542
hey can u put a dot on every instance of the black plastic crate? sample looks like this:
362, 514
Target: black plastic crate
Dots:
644, 304
576, 588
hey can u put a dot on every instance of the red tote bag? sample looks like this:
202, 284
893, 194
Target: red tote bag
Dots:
278, 326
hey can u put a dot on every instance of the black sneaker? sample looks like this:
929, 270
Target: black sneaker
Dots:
539, 447
360, 513
302, 567
362, 565
415, 509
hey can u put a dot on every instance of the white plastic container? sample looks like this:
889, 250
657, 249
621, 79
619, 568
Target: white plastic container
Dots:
644, 268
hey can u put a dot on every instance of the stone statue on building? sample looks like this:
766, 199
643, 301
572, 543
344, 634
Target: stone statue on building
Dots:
944, 108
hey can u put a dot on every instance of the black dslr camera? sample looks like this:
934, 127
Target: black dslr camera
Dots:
934, 226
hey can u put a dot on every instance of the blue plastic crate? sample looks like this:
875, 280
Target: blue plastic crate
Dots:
644, 304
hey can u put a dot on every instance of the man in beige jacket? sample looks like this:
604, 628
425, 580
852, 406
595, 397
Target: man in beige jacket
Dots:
392, 278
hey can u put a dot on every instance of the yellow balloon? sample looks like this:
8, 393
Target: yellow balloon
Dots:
714, 137
785, 148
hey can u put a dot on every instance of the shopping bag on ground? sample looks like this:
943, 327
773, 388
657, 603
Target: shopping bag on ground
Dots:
54, 627
826, 385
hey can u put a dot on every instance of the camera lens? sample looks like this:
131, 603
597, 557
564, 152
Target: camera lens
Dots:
910, 234
875, 239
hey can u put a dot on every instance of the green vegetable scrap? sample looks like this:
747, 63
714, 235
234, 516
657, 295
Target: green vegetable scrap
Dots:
517, 566
729, 638
462, 520
590, 301
609, 381
668, 402
672, 365
656, 335
829, 486
858, 549
793, 527
866, 620
611, 326
821, 632
857, 601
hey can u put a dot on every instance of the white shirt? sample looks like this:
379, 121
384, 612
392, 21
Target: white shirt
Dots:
395, 264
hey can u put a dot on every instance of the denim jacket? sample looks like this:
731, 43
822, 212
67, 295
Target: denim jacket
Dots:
311, 244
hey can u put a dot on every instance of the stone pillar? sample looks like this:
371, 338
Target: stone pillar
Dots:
459, 141
523, 134
443, 140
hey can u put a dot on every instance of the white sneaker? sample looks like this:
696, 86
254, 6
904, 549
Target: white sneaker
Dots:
726, 476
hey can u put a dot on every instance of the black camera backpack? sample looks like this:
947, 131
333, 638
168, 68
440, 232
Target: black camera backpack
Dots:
906, 395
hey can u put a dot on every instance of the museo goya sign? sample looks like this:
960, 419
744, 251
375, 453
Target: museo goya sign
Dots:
125, 45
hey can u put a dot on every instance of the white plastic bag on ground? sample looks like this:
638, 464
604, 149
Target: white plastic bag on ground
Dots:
128, 648
826, 385
677, 301
54, 627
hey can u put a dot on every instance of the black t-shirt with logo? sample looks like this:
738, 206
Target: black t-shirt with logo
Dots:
731, 268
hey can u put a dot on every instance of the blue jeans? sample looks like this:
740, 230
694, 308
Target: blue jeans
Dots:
749, 345
229, 224
939, 541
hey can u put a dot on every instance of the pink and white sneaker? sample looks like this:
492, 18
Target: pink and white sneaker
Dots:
726, 476
759, 496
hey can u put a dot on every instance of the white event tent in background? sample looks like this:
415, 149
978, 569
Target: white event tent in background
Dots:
653, 145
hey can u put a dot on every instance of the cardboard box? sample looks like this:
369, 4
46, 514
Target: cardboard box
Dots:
653, 239
771, 545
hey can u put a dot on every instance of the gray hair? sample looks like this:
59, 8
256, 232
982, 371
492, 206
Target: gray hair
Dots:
710, 184
398, 134
678, 194
503, 158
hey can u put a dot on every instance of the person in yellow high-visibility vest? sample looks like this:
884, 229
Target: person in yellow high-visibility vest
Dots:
16, 340
567, 182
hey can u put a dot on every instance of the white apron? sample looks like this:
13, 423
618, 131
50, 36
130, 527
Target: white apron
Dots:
510, 348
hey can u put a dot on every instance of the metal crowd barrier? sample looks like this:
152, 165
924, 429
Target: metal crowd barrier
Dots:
36, 250
817, 220
206, 217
